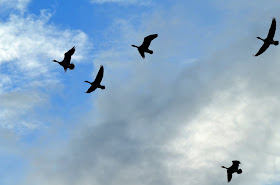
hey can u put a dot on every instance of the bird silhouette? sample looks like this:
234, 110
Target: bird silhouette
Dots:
96, 83
65, 63
144, 48
269, 39
233, 169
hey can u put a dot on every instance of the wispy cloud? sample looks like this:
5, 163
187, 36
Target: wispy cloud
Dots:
28, 46
161, 120
17, 110
13, 4
164, 121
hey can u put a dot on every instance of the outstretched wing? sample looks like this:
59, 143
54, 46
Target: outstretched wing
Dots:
99, 75
229, 176
92, 88
142, 53
262, 49
67, 56
147, 40
272, 29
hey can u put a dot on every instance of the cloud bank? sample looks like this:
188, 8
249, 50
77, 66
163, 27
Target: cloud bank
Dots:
179, 115
199, 102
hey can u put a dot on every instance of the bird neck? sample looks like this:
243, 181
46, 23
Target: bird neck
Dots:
260, 38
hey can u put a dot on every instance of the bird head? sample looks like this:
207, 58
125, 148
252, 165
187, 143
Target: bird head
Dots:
134, 46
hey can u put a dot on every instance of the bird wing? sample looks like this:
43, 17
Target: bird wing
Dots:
68, 54
142, 53
229, 176
272, 29
235, 165
92, 88
262, 49
99, 75
236, 162
147, 40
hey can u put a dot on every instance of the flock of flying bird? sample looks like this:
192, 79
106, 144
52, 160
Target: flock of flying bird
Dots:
65, 63
144, 48
267, 42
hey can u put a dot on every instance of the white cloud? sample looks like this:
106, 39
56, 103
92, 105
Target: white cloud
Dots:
17, 109
28, 46
164, 121
14, 4
31, 43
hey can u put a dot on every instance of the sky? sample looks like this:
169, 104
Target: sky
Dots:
199, 102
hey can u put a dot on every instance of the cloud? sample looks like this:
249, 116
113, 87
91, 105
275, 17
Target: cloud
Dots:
28, 46
17, 109
169, 120
13, 4
121, 2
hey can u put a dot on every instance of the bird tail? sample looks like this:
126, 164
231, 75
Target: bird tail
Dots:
150, 51
102, 87
71, 66
276, 43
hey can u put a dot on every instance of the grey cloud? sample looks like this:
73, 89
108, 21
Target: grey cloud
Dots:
167, 126
17, 109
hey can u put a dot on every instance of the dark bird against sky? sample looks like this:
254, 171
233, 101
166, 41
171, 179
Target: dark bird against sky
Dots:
66, 61
97, 81
233, 169
144, 48
269, 39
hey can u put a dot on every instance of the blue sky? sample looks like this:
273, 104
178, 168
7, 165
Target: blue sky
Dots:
199, 102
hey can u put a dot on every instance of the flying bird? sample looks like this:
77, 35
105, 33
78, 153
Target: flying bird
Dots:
96, 83
144, 48
269, 39
65, 63
233, 169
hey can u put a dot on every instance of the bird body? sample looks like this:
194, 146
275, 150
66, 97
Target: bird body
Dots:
269, 39
234, 168
96, 83
66, 61
144, 48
